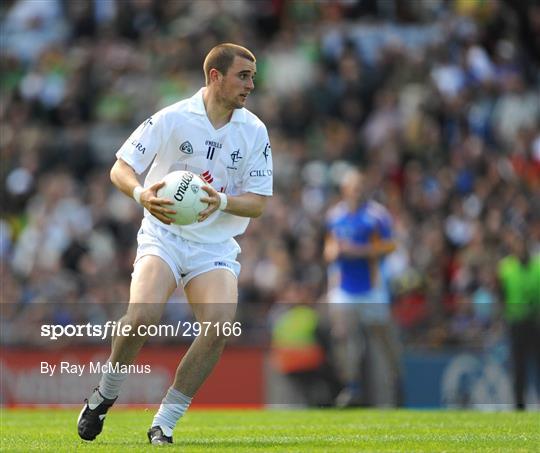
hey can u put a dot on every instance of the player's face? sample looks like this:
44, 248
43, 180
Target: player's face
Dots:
237, 83
353, 187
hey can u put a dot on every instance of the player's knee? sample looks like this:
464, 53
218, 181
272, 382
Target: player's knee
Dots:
138, 321
221, 318
217, 313
338, 332
221, 315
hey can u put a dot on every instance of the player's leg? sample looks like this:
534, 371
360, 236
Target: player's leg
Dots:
382, 355
519, 360
213, 298
151, 286
348, 347
389, 341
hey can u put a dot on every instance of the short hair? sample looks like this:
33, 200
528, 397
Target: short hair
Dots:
221, 57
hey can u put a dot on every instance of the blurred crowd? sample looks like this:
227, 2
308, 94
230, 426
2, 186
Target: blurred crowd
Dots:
438, 101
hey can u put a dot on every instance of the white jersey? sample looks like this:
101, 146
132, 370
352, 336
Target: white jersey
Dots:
234, 159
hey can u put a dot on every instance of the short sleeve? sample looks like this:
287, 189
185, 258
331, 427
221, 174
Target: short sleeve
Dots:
140, 148
258, 172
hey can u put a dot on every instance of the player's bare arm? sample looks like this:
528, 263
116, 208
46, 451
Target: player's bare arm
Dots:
245, 205
331, 248
125, 179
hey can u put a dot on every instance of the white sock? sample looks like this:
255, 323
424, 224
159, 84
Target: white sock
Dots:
173, 406
110, 384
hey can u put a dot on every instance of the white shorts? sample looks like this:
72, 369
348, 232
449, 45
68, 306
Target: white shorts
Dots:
186, 259
372, 306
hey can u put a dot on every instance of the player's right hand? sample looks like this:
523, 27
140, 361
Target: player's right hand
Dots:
156, 206
331, 249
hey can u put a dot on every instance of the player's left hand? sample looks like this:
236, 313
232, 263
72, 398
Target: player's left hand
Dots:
213, 201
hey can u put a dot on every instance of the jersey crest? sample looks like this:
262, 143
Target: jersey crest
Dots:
186, 148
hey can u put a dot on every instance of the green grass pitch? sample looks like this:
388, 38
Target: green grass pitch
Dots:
281, 430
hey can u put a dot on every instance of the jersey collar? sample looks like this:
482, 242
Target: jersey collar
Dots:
196, 106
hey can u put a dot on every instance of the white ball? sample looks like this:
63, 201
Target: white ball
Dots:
183, 188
